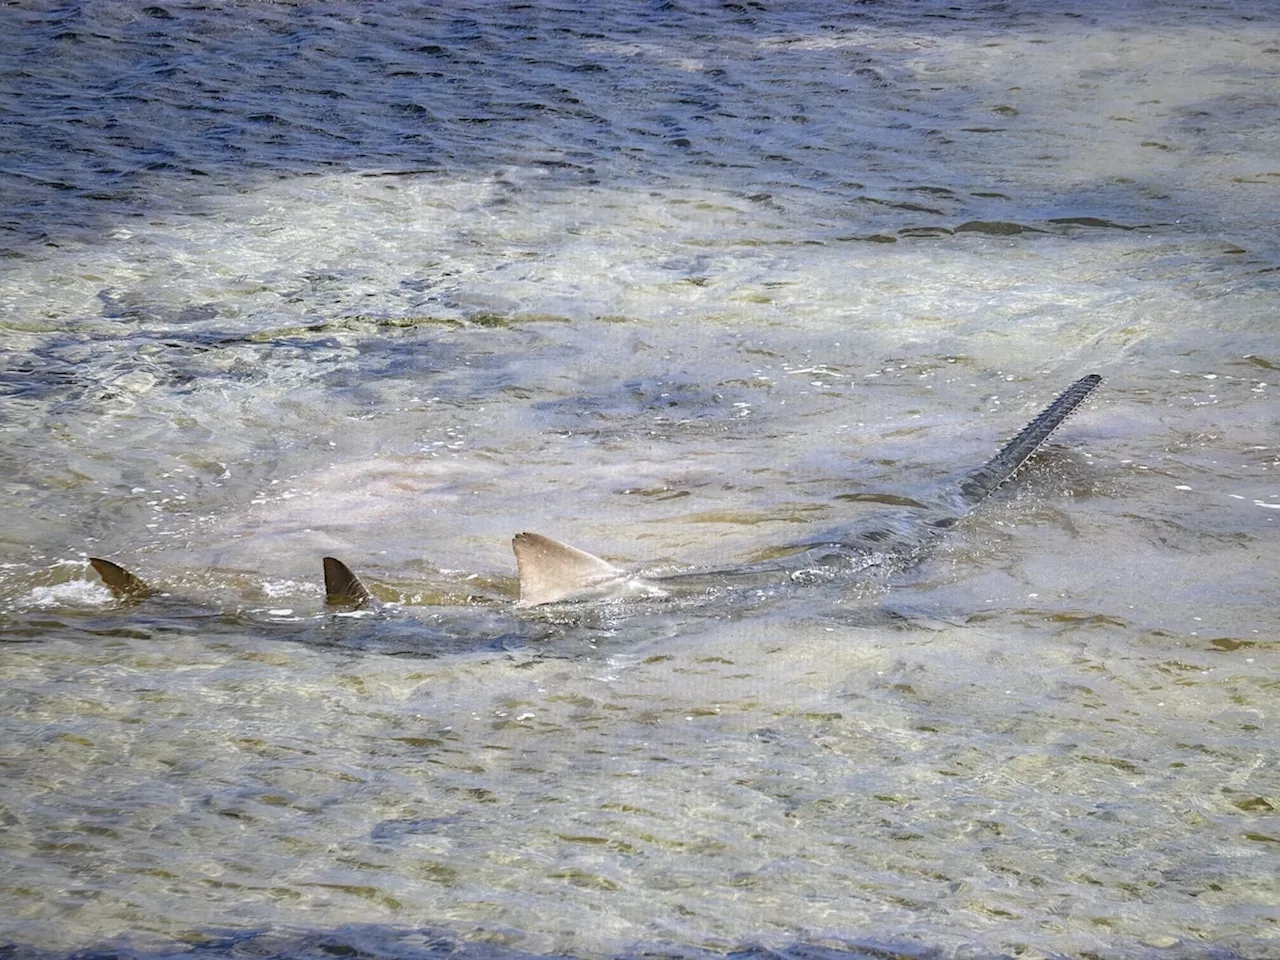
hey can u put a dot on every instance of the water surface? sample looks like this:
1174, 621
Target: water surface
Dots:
679, 283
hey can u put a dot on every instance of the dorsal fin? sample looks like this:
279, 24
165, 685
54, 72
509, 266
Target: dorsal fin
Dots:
551, 571
342, 588
122, 584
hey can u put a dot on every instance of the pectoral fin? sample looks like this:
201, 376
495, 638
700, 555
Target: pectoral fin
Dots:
122, 584
551, 571
342, 588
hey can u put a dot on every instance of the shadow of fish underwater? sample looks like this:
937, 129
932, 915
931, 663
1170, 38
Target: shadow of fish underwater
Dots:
565, 588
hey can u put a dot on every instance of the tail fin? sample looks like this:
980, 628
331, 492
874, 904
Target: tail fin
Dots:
342, 588
981, 483
122, 584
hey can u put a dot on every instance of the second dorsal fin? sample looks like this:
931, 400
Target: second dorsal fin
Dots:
122, 584
342, 588
551, 571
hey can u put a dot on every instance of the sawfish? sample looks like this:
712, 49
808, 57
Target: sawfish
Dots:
558, 582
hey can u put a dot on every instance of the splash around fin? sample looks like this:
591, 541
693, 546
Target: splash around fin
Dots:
342, 588
122, 584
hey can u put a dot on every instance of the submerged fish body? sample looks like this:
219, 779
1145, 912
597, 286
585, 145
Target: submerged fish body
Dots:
554, 573
564, 588
353, 618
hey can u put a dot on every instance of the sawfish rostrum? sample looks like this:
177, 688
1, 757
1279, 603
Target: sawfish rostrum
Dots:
557, 574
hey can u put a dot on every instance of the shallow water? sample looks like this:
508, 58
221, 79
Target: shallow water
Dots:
680, 284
